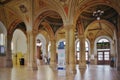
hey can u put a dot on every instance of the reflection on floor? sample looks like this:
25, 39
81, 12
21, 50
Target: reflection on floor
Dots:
93, 72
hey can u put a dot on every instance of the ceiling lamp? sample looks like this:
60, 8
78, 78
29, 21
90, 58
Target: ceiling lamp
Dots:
98, 14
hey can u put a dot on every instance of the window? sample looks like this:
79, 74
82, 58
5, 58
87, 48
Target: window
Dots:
103, 44
78, 46
86, 49
2, 48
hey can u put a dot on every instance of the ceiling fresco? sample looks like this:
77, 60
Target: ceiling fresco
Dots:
109, 14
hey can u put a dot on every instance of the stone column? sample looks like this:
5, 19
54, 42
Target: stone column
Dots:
31, 50
9, 52
53, 57
92, 57
118, 45
29, 56
71, 44
82, 61
67, 45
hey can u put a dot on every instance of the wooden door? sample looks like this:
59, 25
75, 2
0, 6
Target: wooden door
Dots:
103, 57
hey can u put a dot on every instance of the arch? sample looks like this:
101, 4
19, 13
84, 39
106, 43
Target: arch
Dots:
60, 41
41, 16
48, 29
3, 28
13, 25
57, 32
19, 38
91, 3
105, 37
41, 21
111, 26
43, 41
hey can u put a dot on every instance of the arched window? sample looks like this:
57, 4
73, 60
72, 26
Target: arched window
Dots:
103, 44
103, 52
86, 51
2, 43
78, 50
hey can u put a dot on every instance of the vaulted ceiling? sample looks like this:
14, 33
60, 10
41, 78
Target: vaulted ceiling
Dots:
4, 1
103, 27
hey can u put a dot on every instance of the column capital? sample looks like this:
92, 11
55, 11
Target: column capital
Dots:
69, 26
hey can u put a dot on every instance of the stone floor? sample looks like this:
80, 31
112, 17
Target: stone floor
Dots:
44, 72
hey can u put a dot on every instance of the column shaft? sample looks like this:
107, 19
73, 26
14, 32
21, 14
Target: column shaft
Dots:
82, 62
67, 46
53, 53
9, 53
72, 49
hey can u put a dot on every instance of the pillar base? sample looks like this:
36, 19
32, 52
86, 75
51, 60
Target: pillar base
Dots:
34, 66
71, 69
53, 65
9, 63
118, 68
82, 65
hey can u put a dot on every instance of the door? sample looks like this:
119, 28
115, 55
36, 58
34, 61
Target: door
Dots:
103, 57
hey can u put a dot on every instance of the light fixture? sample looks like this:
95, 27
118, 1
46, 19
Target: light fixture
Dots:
98, 13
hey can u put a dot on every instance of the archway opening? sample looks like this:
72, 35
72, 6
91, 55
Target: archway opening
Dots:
3, 44
19, 44
41, 50
103, 52
18, 47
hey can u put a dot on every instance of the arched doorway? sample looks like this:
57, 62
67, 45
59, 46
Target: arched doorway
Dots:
41, 52
3, 45
18, 47
103, 52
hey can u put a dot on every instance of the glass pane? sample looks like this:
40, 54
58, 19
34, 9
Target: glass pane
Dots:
78, 56
106, 58
86, 55
103, 40
100, 55
100, 58
106, 53
86, 48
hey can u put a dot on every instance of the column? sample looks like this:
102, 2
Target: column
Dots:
118, 45
71, 43
9, 53
92, 57
53, 57
29, 56
67, 45
31, 50
82, 62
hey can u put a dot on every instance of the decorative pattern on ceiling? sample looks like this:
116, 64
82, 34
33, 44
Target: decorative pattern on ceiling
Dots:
109, 14
4, 1
53, 19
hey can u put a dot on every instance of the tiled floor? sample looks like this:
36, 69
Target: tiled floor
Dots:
44, 72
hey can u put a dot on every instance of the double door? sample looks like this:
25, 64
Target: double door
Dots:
103, 57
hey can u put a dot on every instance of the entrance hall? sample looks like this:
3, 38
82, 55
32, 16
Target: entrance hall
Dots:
59, 39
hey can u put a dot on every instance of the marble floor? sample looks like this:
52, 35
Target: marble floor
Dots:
45, 72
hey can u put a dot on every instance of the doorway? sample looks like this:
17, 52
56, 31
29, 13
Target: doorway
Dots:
103, 57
